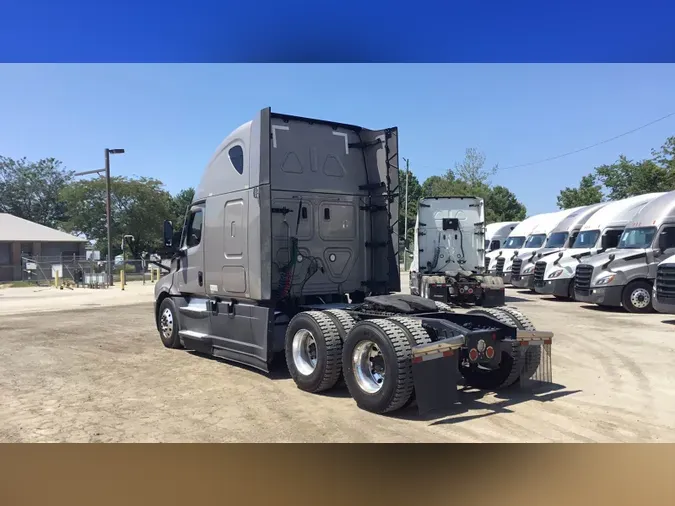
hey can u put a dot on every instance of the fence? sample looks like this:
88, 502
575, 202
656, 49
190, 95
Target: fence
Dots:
79, 271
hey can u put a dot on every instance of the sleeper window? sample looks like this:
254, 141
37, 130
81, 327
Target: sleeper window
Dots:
236, 155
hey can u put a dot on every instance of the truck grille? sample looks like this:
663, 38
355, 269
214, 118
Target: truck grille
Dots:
582, 279
500, 265
487, 263
665, 283
515, 268
539, 271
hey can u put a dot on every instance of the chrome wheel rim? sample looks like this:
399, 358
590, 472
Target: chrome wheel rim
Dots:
640, 298
166, 323
368, 365
304, 352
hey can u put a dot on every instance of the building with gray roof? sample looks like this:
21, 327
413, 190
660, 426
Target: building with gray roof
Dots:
21, 239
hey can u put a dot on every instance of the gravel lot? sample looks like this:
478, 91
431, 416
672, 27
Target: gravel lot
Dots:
90, 367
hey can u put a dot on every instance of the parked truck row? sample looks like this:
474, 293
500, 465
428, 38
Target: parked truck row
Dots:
619, 253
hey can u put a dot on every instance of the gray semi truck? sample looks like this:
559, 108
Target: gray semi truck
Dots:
288, 249
625, 276
663, 296
449, 253
554, 274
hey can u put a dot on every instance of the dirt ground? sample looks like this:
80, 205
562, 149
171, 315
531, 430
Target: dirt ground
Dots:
90, 367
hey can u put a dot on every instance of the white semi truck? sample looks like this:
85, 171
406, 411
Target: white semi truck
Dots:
560, 238
496, 234
290, 247
498, 262
534, 241
624, 277
554, 274
449, 253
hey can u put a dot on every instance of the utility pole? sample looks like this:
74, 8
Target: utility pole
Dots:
106, 174
107, 214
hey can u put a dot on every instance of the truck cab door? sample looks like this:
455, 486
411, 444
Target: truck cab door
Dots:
190, 273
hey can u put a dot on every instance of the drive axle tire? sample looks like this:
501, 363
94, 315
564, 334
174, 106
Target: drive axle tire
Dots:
416, 335
313, 351
344, 323
510, 366
377, 365
637, 297
533, 353
167, 324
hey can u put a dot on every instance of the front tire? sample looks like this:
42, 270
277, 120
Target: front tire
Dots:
637, 297
167, 324
313, 351
377, 365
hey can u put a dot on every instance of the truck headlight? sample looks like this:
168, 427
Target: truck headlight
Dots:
605, 280
556, 274
528, 269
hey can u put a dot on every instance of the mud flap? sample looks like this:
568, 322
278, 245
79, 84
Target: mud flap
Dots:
494, 293
493, 298
535, 348
436, 373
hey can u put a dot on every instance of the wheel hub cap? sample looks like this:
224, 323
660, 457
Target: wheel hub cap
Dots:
640, 298
368, 366
304, 352
166, 323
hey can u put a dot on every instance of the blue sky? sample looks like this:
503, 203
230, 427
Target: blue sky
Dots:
170, 118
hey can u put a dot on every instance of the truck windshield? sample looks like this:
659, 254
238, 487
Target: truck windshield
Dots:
586, 239
514, 242
535, 241
637, 238
557, 240
487, 243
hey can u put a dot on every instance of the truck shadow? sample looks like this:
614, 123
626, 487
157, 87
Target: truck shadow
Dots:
604, 309
509, 298
471, 399
669, 322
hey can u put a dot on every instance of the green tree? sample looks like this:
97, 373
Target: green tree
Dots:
138, 207
626, 178
470, 177
179, 205
665, 157
472, 169
502, 205
30, 190
587, 193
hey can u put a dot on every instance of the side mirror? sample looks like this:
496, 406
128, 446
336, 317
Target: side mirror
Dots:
168, 234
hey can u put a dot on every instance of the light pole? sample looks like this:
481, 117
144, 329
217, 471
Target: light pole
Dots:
106, 171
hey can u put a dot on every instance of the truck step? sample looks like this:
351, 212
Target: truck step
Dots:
192, 334
197, 341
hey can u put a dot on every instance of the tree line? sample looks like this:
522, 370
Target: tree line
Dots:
624, 178
45, 192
